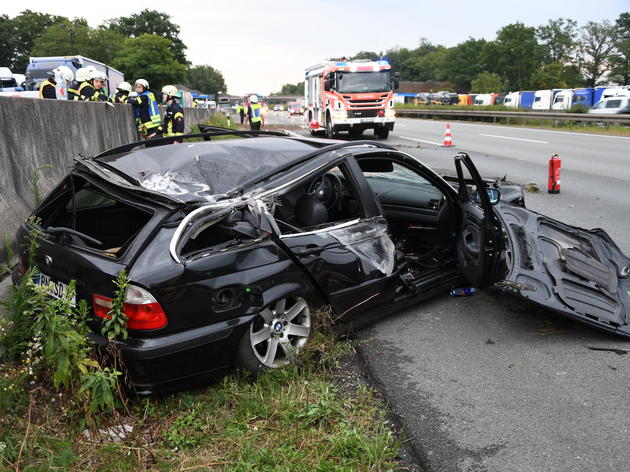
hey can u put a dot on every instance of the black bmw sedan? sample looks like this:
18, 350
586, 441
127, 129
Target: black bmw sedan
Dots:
230, 244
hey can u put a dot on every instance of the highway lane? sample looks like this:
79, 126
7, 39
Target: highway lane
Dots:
480, 387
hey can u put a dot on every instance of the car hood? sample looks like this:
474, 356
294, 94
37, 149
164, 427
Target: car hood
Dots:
580, 273
200, 171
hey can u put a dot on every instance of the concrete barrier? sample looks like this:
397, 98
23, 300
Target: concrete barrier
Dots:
35, 132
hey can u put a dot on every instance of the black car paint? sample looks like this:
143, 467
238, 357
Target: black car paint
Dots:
211, 299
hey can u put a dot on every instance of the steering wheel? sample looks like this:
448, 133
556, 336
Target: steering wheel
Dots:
327, 189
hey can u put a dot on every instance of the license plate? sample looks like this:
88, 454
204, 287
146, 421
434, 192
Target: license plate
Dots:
57, 290
366, 120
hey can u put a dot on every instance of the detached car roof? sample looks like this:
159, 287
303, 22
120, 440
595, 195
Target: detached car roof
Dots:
194, 171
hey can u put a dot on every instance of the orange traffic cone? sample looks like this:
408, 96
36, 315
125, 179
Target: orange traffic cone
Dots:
448, 139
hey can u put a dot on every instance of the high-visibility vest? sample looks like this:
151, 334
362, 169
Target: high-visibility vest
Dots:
172, 114
256, 113
80, 95
44, 84
154, 118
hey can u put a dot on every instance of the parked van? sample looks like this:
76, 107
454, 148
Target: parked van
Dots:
612, 106
566, 99
543, 99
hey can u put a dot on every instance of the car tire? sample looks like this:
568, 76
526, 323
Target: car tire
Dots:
275, 336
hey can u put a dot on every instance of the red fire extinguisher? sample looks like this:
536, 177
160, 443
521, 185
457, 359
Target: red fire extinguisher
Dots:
553, 186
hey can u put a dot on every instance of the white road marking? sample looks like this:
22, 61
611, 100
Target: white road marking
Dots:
421, 140
399, 125
516, 139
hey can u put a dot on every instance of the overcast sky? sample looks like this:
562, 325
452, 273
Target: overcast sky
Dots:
261, 45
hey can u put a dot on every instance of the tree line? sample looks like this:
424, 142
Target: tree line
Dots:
143, 45
559, 54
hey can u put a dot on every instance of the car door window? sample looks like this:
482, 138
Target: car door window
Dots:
326, 200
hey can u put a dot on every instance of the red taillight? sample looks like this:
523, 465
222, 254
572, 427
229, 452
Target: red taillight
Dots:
141, 308
380, 113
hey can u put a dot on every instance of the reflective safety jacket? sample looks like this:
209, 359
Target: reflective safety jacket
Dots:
147, 113
120, 97
48, 89
255, 113
88, 93
73, 91
173, 124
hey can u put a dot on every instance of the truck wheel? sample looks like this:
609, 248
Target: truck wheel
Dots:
382, 133
275, 336
330, 131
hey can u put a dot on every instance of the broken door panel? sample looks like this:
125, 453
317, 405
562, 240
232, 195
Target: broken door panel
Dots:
577, 272
352, 263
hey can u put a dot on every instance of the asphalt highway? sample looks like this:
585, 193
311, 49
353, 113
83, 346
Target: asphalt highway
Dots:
481, 385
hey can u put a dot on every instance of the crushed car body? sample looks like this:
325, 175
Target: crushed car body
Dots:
230, 244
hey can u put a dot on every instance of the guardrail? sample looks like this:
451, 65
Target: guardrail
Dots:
531, 115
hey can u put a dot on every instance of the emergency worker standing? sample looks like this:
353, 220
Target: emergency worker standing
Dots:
241, 111
48, 88
83, 81
92, 90
122, 93
146, 110
173, 124
254, 113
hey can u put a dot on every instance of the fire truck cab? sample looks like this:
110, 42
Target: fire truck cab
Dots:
350, 96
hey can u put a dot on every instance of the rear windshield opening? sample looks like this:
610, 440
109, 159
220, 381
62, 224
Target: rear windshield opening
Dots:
95, 214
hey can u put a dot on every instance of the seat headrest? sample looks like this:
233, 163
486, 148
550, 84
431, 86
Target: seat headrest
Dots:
309, 211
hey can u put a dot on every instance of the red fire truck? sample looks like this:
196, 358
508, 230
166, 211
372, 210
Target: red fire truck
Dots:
350, 96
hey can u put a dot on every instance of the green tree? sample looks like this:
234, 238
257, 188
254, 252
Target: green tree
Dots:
559, 38
291, 89
463, 62
621, 60
77, 38
549, 76
7, 41
206, 79
149, 57
151, 22
397, 57
62, 39
369, 55
517, 54
487, 82
429, 66
28, 26
597, 44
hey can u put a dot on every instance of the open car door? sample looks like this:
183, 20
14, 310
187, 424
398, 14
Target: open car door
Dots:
478, 245
576, 272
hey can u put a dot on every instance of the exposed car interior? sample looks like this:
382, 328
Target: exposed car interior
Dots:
91, 219
419, 215
325, 200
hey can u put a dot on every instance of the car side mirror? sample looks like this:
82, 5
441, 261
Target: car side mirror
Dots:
494, 195
396, 83
327, 85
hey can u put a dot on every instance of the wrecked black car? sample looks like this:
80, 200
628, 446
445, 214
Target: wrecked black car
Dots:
229, 245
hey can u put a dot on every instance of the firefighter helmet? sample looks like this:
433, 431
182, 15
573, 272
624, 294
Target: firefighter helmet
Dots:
253, 98
170, 90
64, 72
142, 82
126, 86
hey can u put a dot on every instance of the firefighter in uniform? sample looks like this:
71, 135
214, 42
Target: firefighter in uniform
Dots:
83, 81
122, 93
92, 90
241, 111
48, 88
173, 124
146, 110
254, 113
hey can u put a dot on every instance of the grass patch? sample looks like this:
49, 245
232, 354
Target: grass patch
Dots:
216, 119
290, 419
409, 106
